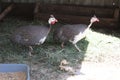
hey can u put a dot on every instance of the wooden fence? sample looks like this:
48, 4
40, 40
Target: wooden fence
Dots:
77, 2
106, 10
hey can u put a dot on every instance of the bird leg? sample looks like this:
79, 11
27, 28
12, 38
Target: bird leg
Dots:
30, 50
77, 47
62, 44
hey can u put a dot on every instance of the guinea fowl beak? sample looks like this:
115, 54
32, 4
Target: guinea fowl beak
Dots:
97, 20
56, 20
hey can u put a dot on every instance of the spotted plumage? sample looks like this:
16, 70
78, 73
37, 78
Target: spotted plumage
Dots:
32, 34
72, 33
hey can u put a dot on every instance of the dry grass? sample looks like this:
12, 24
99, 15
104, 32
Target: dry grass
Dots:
96, 47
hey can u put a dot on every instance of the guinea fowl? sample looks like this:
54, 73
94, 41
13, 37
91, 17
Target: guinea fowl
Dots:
33, 34
72, 33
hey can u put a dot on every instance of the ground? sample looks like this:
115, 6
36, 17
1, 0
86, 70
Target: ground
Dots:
97, 71
88, 71
98, 60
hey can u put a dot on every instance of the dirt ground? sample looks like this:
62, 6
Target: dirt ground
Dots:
97, 71
102, 50
86, 71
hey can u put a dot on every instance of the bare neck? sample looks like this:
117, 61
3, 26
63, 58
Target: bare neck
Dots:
49, 25
90, 24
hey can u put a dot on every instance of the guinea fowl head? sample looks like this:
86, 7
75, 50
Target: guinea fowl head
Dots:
52, 20
94, 19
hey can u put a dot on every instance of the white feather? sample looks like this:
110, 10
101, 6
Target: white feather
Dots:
79, 37
42, 40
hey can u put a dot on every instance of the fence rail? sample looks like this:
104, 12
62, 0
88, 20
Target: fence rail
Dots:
77, 2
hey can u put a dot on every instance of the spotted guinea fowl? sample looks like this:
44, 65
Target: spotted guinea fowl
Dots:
72, 33
33, 34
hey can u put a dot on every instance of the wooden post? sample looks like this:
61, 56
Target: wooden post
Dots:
36, 9
0, 5
6, 11
116, 14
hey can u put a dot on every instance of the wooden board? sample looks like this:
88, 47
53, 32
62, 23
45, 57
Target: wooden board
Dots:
21, 10
75, 14
71, 14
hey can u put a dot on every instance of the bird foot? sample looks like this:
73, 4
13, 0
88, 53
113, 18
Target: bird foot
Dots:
79, 50
30, 54
77, 47
30, 50
62, 44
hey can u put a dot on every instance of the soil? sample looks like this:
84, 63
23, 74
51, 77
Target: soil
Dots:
88, 71
13, 76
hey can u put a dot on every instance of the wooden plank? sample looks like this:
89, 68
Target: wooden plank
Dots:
72, 19
116, 14
68, 19
36, 10
77, 10
21, 10
6, 11
76, 2
74, 14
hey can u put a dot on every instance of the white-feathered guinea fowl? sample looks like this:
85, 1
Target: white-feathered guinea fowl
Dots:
72, 33
33, 34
